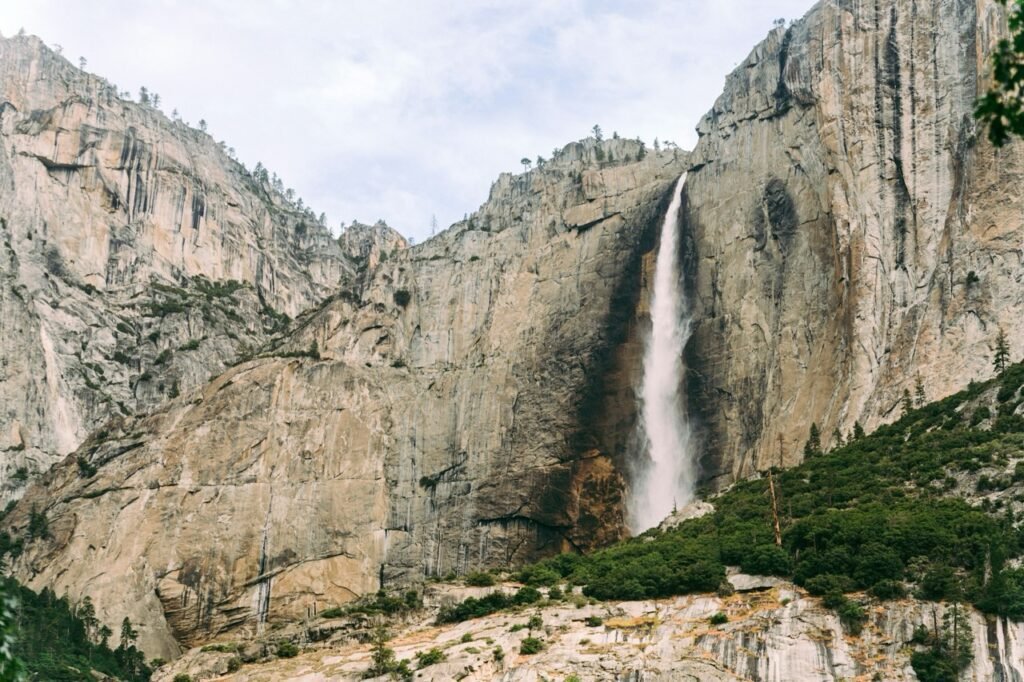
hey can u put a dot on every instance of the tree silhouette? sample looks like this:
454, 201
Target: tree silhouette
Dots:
1002, 352
1002, 107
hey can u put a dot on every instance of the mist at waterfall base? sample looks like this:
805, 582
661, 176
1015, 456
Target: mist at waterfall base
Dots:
664, 473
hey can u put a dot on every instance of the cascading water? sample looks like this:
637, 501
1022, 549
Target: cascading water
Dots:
665, 477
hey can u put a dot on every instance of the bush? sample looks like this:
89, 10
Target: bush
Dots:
555, 593
531, 645
594, 621
888, 589
718, 618
429, 657
287, 650
234, 664
535, 623
182, 677
767, 560
479, 579
402, 298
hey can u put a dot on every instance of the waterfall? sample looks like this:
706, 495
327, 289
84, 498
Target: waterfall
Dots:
665, 474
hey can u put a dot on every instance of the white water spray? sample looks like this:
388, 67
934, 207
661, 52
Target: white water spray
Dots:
665, 477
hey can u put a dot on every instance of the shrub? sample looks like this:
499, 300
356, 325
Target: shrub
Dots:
718, 618
287, 650
234, 664
594, 621
479, 579
467, 637
888, 589
429, 657
85, 469
826, 583
852, 616
402, 298
531, 645
535, 623
766, 560
555, 593
182, 677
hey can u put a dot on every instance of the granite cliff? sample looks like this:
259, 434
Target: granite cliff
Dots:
138, 258
469, 401
849, 228
465, 403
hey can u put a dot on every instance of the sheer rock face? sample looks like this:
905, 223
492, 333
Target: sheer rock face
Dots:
470, 405
849, 228
102, 201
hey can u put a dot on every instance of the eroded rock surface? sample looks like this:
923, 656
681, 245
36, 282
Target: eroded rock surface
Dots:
776, 635
849, 228
465, 404
127, 237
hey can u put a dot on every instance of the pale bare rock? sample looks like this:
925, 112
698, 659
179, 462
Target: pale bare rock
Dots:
466, 403
849, 228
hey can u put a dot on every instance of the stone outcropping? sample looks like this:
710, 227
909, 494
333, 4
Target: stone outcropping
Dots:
465, 403
126, 237
849, 228
776, 634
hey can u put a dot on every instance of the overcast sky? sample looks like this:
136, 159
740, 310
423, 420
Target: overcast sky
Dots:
405, 110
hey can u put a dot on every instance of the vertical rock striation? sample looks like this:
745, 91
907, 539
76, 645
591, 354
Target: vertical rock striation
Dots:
466, 403
849, 228
124, 238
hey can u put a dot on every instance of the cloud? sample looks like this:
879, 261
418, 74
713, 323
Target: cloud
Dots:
405, 110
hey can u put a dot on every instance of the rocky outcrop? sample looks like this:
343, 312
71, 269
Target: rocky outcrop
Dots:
776, 634
466, 403
849, 228
126, 238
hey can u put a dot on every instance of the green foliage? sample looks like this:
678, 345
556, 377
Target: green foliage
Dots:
531, 645
287, 650
949, 650
430, 657
234, 664
473, 607
479, 579
402, 298
871, 515
535, 622
163, 358
182, 677
85, 469
594, 621
538, 575
380, 603
38, 525
813, 445
1002, 107
555, 593
718, 619
53, 642
1001, 356
382, 657
191, 344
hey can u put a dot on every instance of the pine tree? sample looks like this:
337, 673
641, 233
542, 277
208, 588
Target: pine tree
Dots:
908, 404
1002, 354
837, 439
858, 431
128, 633
919, 397
813, 445
598, 135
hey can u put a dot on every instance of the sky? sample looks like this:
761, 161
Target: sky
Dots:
407, 111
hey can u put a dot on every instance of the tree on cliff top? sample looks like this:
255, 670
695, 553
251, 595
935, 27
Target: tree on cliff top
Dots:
1002, 107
